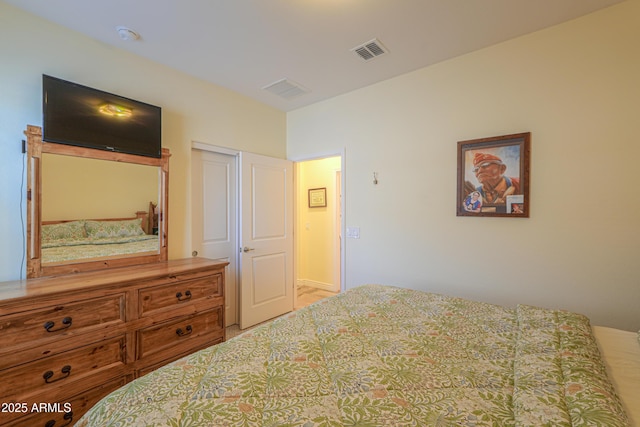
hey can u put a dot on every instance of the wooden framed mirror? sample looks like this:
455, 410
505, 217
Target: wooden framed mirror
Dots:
91, 209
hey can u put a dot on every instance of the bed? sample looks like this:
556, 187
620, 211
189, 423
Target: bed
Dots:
384, 356
621, 354
63, 241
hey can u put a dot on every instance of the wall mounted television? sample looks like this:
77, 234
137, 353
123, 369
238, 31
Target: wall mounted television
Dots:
85, 117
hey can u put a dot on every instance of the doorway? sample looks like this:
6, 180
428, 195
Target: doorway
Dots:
318, 229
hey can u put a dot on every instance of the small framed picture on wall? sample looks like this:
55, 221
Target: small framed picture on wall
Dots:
493, 176
317, 197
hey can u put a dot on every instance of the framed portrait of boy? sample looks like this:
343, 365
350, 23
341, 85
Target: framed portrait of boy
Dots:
493, 176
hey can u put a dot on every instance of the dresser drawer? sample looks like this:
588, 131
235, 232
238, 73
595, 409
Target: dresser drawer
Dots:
61, 373
152, 367
186, 332
57, 415
178, 291
61, 319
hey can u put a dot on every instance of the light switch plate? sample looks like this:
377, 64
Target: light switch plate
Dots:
353, 232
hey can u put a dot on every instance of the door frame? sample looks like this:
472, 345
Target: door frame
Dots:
343, 210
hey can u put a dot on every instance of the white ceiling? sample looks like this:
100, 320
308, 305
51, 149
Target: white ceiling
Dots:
245, 45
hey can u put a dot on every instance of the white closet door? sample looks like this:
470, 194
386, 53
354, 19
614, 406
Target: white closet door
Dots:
214, 224
266, 212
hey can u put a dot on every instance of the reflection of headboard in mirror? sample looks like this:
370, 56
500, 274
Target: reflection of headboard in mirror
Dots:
124, 219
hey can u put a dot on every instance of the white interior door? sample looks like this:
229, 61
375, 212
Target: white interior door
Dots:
214, 222
266, 238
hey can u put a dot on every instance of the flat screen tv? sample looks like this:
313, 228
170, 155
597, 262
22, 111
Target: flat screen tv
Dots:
82, 116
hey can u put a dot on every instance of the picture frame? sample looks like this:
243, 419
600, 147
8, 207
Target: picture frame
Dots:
493, 176
318, 197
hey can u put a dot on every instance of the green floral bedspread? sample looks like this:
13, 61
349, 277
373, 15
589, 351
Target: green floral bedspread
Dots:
383, 356
71, 249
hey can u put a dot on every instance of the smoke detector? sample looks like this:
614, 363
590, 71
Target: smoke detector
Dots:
127, 34
370, 50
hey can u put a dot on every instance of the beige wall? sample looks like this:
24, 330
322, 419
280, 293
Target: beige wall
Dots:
77, 188
575, 88
191, 110
316, 249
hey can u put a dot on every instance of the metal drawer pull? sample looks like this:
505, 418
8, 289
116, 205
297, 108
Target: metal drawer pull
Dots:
66, 322
187, 295
182, 333
66, 370
67, 416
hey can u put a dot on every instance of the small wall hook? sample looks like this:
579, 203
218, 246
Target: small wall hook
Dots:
375, 178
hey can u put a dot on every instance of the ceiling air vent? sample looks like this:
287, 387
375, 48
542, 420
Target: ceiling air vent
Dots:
286, 89
370, 50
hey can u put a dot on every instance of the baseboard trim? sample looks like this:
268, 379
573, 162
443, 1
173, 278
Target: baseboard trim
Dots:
330, 287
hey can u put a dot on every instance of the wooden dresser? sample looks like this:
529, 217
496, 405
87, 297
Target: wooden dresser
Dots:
67, 341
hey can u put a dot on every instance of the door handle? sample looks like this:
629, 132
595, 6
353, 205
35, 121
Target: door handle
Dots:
246, 249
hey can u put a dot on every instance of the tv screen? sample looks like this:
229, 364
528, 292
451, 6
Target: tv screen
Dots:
82, 116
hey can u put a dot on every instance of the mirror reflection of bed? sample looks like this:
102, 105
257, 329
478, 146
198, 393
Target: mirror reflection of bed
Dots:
96, 209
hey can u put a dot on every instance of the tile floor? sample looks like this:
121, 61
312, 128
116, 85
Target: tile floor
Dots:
306, 295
